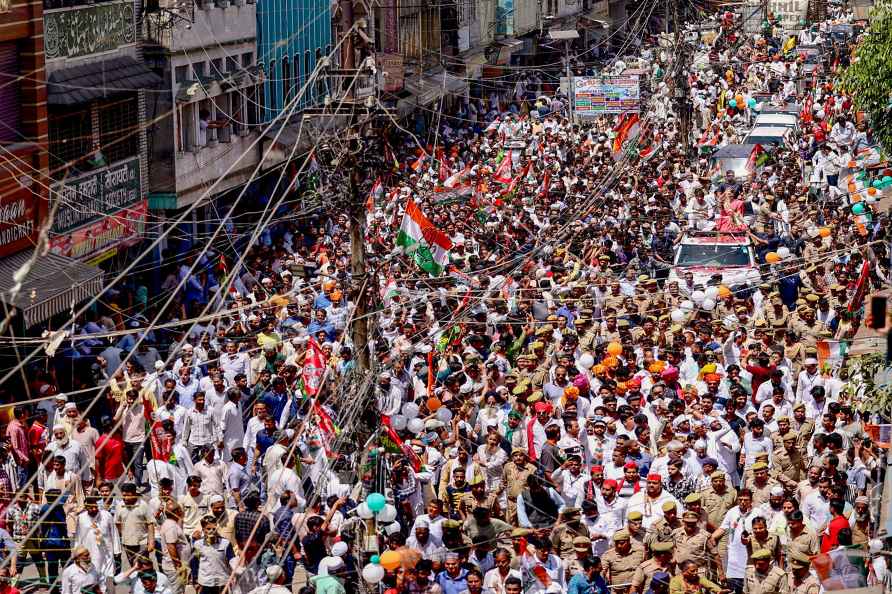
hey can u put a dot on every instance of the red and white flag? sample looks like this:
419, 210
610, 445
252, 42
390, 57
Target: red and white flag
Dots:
503, 172
314, 368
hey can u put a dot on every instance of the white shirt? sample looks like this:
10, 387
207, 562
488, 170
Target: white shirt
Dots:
735, 523
816, 511
74, 578
233, 431
650, 508
100, 536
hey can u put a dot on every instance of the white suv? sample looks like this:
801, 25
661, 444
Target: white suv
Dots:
707, 253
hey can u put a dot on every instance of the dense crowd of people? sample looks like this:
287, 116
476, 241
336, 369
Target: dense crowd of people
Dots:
557, 409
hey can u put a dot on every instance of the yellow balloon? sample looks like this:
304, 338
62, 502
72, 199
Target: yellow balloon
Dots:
390, 560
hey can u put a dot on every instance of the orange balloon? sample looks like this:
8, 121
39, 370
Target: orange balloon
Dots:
599, 369
433, 404
615, 349
740, 102
724, 292
872, 191
610, 362
824, 231
772, 258
390, 560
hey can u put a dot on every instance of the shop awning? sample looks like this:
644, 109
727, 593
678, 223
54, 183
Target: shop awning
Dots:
52, 286
81, 84
431, 87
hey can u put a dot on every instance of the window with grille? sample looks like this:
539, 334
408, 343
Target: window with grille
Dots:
119, 128
247, 59
70, 138
181, 73
286, 80
231, 64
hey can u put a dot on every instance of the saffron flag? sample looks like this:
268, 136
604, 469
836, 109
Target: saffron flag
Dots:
428, 245
314, 368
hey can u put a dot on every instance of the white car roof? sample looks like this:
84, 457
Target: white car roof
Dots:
769, 131
767, 119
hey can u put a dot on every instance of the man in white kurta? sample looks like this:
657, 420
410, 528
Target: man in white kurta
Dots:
650, 501
81, 573
96, 532
231, 421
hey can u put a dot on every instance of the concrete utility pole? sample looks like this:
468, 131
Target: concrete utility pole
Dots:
359, 275
682, 92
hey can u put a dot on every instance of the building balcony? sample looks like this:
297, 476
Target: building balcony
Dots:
216, 22
227, 156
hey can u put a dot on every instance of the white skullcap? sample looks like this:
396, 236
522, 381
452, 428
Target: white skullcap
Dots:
70, 406
699, 444
273, 572
776, 491
215, 499
339, 549
392, 528
58, 427
62, 397
329, 564
422, 523
159, 365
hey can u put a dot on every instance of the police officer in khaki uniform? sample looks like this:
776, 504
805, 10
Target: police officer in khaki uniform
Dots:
777, 314
761, 483
661, 560
568, 528
801, 581
763, 576
515, 473
620, 562
718, 499
692, 543
788, 464
582, 550
802, 425
800, 539
635, 528
662, 529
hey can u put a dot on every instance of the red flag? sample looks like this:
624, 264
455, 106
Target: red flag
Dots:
444, 171
546, 183
503, 172
314, 367
161, 442
407, 450
519, 177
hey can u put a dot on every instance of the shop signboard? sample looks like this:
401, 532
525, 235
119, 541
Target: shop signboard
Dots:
123, 228
595, 96
94, 195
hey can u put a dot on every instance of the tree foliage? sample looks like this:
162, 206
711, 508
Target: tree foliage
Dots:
869, 78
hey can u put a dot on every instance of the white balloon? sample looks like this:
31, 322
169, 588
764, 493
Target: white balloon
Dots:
410, 410
783, 252
586, 361
387, 515
698, 296
398, 422
687, 305
678, 316
711, 292
708, 304
444, 414
363, 511
416, 425
373, 573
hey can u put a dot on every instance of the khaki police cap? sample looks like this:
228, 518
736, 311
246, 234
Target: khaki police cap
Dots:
761, 554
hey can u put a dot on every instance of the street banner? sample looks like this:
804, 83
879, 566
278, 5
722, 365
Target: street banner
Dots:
595, 96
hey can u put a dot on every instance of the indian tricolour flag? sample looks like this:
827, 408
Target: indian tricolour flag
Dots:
832, 351
428, 245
